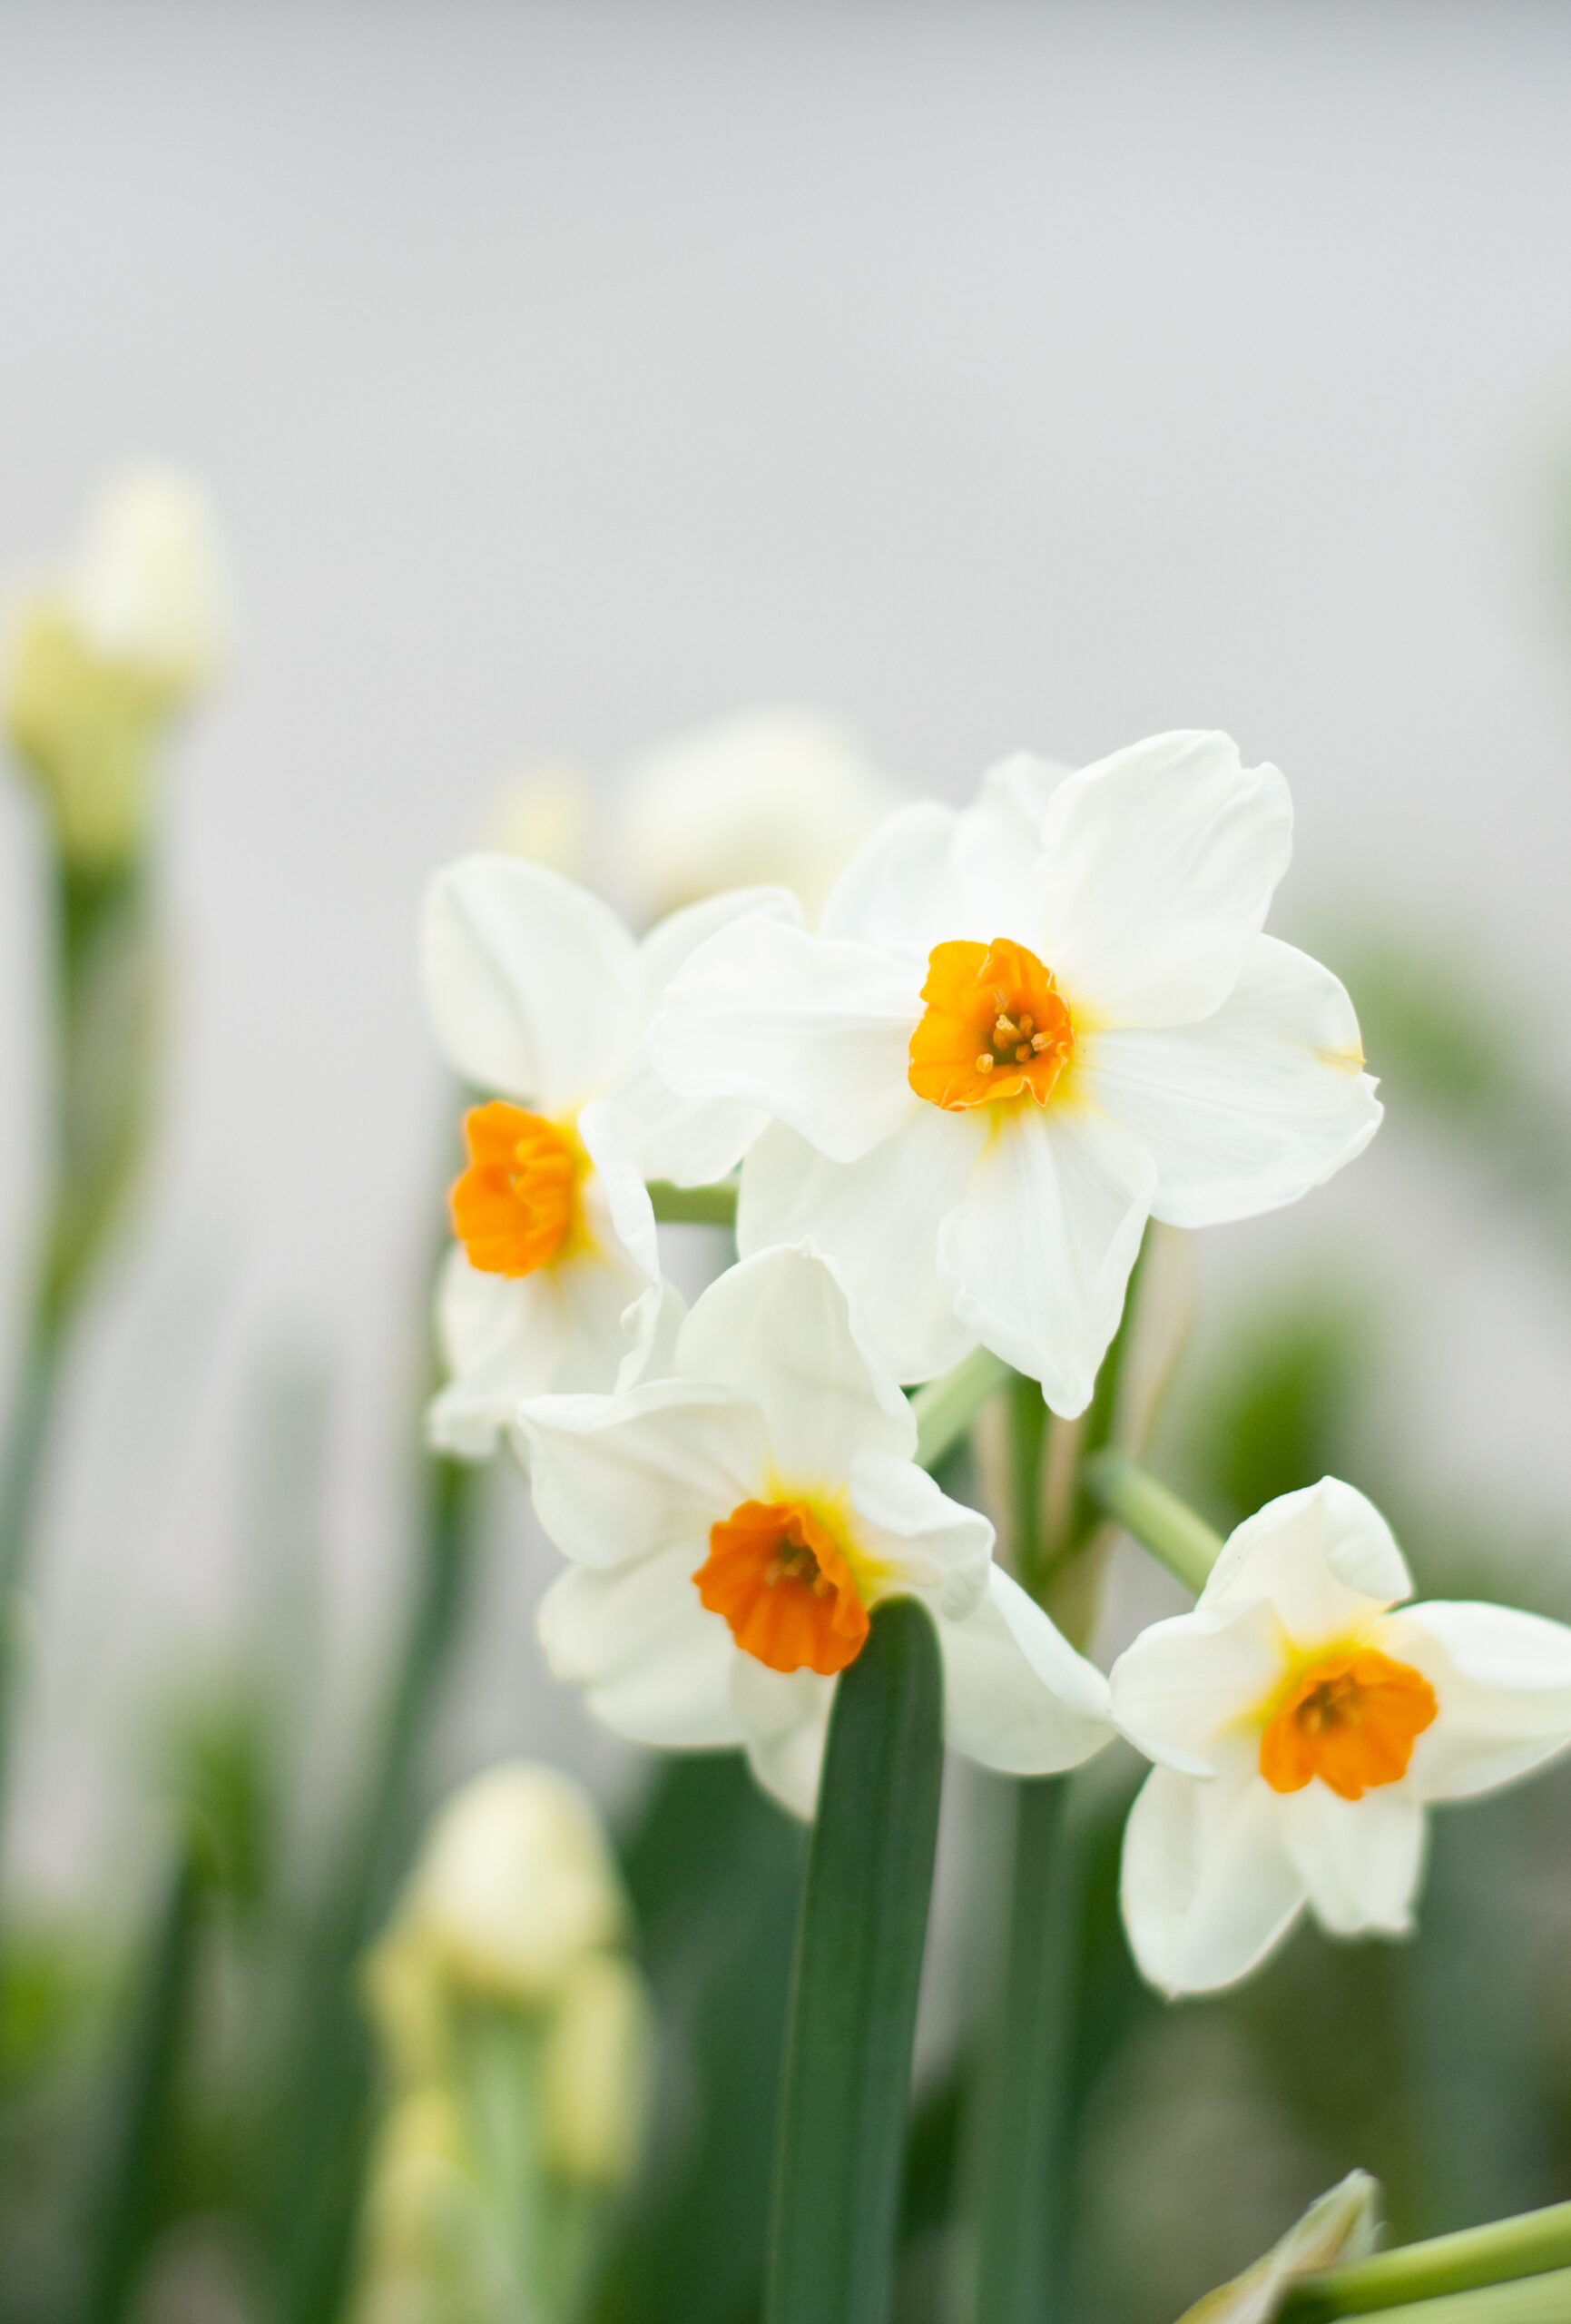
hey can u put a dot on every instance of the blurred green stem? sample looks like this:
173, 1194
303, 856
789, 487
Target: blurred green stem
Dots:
693, 1205
128, 2210
946, 1408
859, 1966
1529, 2245
1179, 1539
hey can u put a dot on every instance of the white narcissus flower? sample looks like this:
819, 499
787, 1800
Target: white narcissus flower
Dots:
732, 1526
538, 993
771, 796
1020, 1032
1303, 1719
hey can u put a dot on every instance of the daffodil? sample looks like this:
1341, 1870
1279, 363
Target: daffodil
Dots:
1303, 1718
541, 999
733, 1525
1020, 1032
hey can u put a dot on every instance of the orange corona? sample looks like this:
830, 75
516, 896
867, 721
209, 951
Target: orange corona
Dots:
517, 1202
996, 1027
1351, 1717
776, 1573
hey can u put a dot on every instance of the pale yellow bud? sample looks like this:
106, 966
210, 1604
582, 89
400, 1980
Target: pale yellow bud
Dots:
405, 1991
148, 586
596, 2072
514, 1882
432, 2250
1340, 2226
776, 797
542, 814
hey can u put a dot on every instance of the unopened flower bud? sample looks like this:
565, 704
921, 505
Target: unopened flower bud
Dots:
1339, 2226
596, 2072
543, 815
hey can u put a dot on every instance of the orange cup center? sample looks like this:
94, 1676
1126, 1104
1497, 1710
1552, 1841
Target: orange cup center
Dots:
516, 1203
1351, 1718
777, 1574
996, 1027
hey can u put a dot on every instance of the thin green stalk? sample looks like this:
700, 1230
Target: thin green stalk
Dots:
329, 2106
859, 1966
1530, 2244
1535, 2299
1028, 1444
693, 1205
129, 2205
946, 1408
1179, 1539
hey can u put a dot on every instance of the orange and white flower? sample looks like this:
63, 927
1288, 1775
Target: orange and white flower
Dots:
731, 1526
1303, 1718
539, 994
1020, 1032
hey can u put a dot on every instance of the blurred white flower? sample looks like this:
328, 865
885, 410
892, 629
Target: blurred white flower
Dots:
543, 815
732, 1526
1303, 1720
538, 992
774, 796
101, 659
1021, 1032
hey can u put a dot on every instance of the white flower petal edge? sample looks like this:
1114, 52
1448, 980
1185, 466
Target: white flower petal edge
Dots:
1202, 1072
1303, 1612
774, 1400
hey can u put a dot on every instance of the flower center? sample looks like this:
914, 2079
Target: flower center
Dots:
776, 1573
996, 1027
517, 1202
1351, 1717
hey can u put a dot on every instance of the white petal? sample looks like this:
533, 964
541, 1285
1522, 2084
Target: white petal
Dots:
1323, 1557
1038, 1253
565, 1328
1360, 1859
1206, 1885
816, 1033
785, 1719
895, 893
1016, 1695
1251, 1108
1502, 1682
777, 1329
533, 985
1158, 867
671, 942
1184, 1682
617, 1477
995, 856
927, 1542
917, 1177
654, 1664
656, 1321
608, 1140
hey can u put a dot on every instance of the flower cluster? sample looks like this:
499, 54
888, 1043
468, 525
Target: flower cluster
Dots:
1016, 1033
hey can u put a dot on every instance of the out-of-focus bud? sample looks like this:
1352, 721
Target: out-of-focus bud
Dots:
776, 796
403, 1989
1340, 2226
432, 2250
514, 1882
597, 2057
542, 814
99, 659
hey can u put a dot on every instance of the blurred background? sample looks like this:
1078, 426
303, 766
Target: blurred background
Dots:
990, 376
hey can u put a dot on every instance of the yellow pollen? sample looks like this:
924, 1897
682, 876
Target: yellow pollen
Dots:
996, 1027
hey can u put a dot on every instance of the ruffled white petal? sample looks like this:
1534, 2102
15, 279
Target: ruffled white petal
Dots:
1251, 1106
1158, 867
1038, 1253
778, 1328
925, 1541
654, 1664
1186, 1682
671, 942
784, 1717
608, 1140
1502, 1682
1360, 1859
1324, 1557
567, 1328
895, 895
615, 1478
878, 1220
1207, 1887
816, 1033
1016, 1695
533, 985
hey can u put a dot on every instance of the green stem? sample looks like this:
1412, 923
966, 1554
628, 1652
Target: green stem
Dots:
329, 2102
859, 1966
693, 1205
1527, 2245
1179, 1539
1532, 2299
946, 1408
134, 2180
